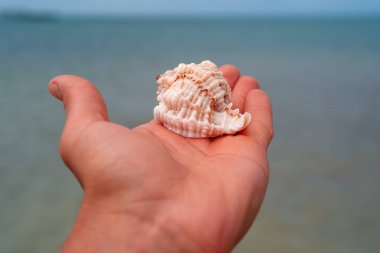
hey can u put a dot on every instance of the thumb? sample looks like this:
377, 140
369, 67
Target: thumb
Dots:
83, 104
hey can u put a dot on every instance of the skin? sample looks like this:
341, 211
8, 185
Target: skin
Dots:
147, 189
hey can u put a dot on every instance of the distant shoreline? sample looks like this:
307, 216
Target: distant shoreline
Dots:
29, 16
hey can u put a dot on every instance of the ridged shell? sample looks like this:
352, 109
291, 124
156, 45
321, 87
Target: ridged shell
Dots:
194, 101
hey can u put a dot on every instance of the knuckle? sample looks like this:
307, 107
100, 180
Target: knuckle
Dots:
69, 147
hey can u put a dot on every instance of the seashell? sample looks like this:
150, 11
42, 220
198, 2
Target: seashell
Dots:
194, 101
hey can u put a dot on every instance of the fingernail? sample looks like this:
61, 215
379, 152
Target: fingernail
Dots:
57, 91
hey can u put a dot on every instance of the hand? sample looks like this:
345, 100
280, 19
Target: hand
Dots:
148, 189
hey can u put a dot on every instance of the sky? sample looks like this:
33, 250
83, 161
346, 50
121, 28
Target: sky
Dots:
199, 7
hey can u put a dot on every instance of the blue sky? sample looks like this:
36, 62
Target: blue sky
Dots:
200, 7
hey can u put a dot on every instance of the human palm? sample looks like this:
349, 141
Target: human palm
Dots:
209, 190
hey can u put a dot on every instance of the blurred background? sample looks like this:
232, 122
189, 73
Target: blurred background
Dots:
319, 61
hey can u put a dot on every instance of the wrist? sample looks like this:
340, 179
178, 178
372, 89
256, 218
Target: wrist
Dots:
101, 230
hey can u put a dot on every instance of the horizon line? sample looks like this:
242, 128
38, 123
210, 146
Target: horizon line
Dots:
75, 15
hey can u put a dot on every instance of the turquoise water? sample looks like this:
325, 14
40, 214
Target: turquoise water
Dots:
323, 77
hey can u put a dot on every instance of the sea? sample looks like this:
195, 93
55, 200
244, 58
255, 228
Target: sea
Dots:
322, 75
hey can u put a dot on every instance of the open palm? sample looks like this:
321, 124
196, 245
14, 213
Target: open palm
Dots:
207, 190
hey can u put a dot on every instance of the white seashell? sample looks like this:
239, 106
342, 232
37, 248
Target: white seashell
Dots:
194, 101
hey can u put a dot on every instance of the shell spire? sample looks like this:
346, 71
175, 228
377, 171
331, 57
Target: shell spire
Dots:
194, 101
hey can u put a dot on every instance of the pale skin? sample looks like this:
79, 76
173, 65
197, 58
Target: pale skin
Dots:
147, 189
